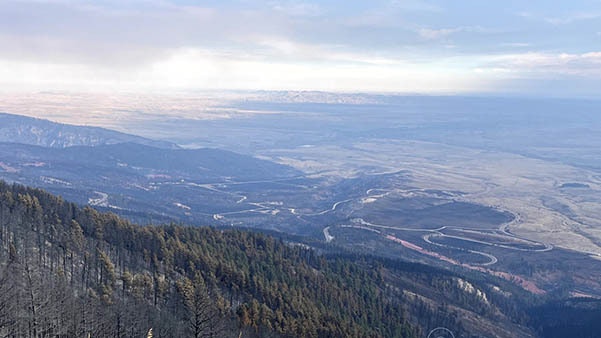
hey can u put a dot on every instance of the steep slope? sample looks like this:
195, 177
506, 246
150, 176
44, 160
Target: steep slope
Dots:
44, 133
169, 278
68, 271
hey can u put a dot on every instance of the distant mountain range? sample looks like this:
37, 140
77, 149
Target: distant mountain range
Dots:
44, 133
313, 97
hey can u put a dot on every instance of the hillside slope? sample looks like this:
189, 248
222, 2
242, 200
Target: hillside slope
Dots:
69, 271
139, 181
45, 133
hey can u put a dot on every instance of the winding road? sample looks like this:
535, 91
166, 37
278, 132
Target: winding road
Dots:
503, 234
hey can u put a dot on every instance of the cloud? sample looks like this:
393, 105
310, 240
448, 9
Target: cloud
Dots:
437, 34
572, 18
416, 5
383, 45
297, 8
93, 31
433, 34
281, 49
187, 68
564, 19
517, 44
585, 65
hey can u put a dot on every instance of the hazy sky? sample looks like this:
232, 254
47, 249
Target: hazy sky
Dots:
529, 47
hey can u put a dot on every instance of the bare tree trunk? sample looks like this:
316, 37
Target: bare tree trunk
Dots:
33, 320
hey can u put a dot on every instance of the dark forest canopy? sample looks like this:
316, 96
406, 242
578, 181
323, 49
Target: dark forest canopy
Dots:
69, 271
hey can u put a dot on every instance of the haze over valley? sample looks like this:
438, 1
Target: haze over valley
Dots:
453, 181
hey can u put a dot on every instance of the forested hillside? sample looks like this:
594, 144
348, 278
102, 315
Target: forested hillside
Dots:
68, 271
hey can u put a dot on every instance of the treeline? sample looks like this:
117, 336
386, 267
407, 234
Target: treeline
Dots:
574, 317
67, 271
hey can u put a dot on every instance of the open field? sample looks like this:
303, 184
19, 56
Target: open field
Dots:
520, 185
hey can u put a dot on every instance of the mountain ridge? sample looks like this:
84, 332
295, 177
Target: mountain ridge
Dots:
41, 132
136, 178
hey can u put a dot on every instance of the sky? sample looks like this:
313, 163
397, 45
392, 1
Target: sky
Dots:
530, 48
